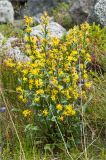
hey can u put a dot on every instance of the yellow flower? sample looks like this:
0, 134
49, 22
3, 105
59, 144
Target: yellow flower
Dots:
53, 97
40, 91
45, 112
28, 20
85, 76
61, 118
74, 52
31, 81
37, 99
27, 39
69, 111
9, 63
81, 66
59, 107
21, 97
26, 113
28, 30
24, 100
59, 87
24, 79
30, 86
55, 41
88, 57
35, 71
68, 107
67, 94
25, 71
88, 84
38, 82
70, 58
19, 89
73, 112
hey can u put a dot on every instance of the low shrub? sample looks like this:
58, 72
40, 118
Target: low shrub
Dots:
55, 87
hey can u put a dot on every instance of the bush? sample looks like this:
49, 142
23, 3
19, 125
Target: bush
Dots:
55, 87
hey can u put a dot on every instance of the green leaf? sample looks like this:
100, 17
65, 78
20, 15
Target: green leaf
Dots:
30, 127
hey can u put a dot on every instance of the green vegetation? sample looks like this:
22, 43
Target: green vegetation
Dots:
28, 130
9, 30
61, 15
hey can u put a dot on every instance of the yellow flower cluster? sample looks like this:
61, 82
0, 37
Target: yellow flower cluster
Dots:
56, 72
9, 63
26, 113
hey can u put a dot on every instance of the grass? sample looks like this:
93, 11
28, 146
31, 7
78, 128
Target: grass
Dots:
9, 30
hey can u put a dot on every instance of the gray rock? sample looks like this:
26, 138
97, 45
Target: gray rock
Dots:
6, 12
80, 10
34, 7
98, 14
54, 28
13, 52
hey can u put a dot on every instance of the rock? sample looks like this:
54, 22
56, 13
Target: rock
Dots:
98, 14
34, 7
13, 52
6, 12
80, 10
55, 30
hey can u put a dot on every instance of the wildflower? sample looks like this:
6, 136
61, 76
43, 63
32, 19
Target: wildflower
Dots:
31, 81
70, 58
26, 113
21, 97
38, 82
88, 57
36, 99
35, 71
88, 85
45, 112
59, 107
30, 86
28, 30
24, 79
2, 109
73, 112
19, 89
85, 76
25, 71
28, 20
9, 63
40, 91
55, 41
81, 66
53, 97
69, 111
61, 118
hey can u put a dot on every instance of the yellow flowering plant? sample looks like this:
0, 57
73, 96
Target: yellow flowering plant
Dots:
55, 82
56, 71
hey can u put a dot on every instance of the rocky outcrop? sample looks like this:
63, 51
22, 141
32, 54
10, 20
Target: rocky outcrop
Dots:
98, 14
54, 28
6, 12
80, 10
